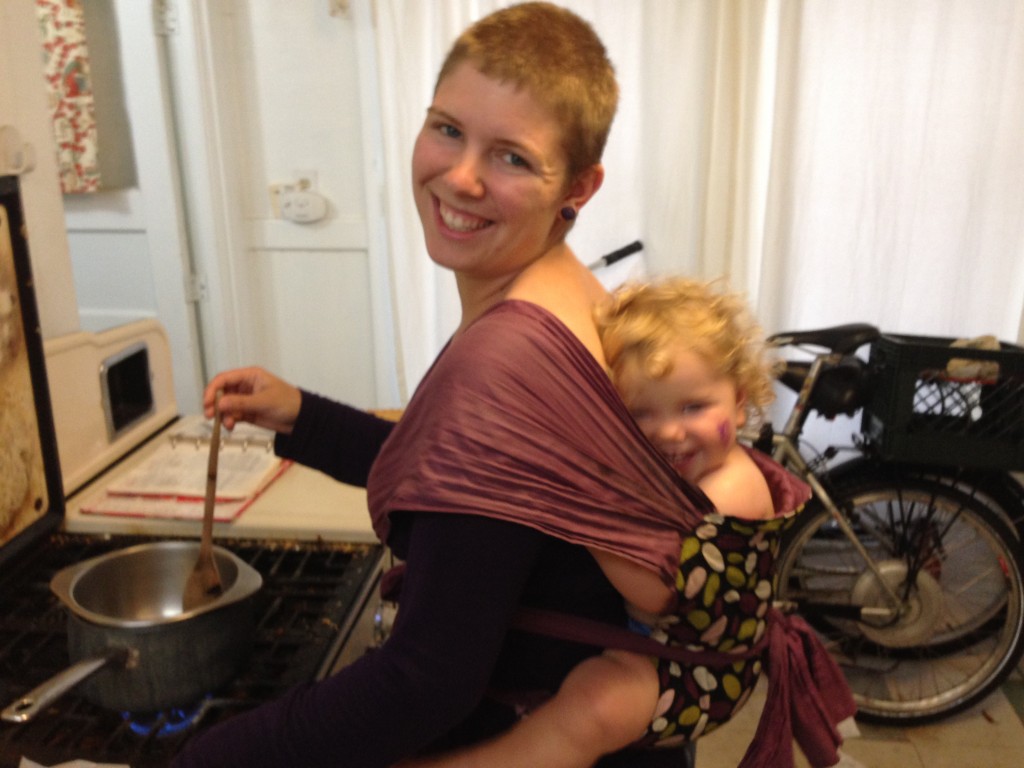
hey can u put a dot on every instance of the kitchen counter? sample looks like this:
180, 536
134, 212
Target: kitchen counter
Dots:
300, 504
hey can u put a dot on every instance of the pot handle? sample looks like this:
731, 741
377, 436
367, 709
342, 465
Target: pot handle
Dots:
40, 697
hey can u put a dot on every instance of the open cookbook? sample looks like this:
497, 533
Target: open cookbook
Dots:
171, 482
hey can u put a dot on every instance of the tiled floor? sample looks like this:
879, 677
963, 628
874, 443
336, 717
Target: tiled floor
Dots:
991, 735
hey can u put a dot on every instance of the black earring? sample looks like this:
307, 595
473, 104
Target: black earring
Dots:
568, 213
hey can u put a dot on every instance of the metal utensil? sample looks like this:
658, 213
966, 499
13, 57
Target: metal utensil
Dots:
204, 583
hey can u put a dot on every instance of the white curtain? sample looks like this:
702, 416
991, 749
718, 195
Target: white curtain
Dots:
838, 161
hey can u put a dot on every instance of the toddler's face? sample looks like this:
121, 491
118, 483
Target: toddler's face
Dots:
691, 414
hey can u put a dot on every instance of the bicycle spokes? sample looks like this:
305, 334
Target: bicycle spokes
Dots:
957, 570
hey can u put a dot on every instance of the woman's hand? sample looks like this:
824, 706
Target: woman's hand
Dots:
255, 396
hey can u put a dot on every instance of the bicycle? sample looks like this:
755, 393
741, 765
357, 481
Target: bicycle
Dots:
907, 560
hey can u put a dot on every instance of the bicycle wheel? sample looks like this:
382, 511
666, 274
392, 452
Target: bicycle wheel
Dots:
956, 566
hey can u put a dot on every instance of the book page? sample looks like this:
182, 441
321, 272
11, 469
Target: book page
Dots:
180, 470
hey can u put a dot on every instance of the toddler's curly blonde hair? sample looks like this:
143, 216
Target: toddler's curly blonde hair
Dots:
642, 323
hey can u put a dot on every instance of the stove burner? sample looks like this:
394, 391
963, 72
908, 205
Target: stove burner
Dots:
310, 591
169, 722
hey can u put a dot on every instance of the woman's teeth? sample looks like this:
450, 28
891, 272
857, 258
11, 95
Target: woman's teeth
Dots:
460, 222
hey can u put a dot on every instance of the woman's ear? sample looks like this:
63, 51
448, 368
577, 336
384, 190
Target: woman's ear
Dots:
584, 186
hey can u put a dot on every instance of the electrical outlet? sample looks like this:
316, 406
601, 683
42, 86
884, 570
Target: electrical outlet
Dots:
303, 206
298, 200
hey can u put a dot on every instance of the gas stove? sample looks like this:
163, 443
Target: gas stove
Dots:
308, 624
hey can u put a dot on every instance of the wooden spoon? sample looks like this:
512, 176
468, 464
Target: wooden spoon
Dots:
204, 582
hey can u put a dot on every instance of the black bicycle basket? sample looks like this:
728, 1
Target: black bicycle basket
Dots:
939, 404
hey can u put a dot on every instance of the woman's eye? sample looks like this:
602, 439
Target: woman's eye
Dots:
449, 130
515, 160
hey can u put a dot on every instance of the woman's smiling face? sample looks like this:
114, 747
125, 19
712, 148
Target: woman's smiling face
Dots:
489, 177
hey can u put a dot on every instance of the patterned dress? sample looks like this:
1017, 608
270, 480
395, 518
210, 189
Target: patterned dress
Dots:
725, 591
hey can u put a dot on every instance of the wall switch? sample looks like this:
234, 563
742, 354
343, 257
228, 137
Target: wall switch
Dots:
302, 205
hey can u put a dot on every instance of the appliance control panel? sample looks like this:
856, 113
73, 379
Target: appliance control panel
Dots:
110, 391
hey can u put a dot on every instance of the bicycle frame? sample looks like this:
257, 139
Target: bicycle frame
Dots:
786, 453
785, 450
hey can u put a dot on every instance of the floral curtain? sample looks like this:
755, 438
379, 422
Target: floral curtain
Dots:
66, 66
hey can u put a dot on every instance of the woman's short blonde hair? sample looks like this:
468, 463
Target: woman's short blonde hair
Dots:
558, 59
642, 323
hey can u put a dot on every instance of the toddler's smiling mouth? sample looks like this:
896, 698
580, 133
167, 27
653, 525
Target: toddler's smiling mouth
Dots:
679, 458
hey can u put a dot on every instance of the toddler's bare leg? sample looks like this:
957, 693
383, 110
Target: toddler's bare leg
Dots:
604, 704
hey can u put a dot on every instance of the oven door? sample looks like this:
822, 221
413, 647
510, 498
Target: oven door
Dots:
31, 497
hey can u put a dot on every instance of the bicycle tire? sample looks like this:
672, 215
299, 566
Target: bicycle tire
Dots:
997, 489
958, 563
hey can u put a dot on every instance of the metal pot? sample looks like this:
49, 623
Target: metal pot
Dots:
133, 646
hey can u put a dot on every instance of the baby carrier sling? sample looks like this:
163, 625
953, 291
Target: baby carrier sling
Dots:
516, 420
711, 650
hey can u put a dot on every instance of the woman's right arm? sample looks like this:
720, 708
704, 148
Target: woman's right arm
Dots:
336, 439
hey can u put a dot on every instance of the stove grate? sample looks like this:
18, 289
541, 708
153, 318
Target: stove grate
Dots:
309, 590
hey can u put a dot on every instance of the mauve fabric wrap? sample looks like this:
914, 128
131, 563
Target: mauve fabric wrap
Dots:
516, 420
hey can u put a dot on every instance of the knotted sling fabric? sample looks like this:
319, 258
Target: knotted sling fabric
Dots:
517, 421
807, 697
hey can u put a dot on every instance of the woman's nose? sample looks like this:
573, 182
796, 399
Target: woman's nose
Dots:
465, 174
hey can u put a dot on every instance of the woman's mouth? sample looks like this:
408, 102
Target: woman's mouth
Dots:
460, 221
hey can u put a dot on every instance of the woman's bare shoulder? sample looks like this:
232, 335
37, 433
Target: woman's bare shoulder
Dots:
569, 291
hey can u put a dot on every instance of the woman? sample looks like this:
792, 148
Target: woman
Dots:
487, 486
